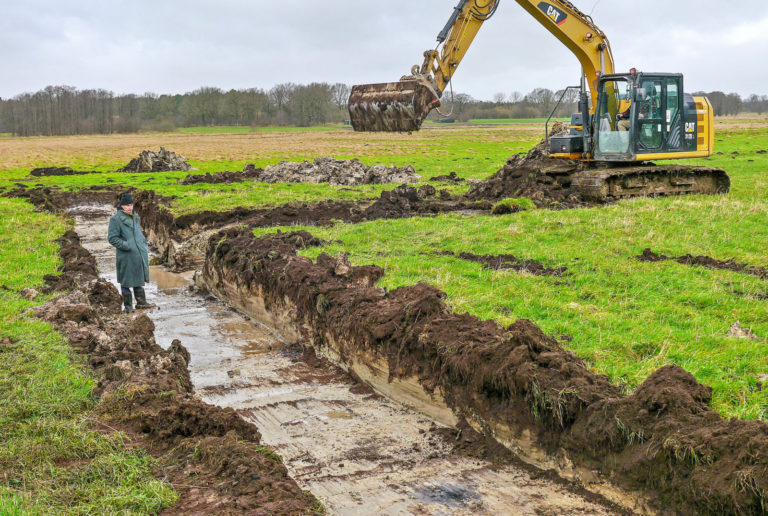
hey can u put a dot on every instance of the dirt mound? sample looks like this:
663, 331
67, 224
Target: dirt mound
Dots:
161, 161
79, 265
57, 201
665, 439
450, 178
337, 172
208, 453
502, 262
534, 176
407, 201
59, 171
706, 261
223, 177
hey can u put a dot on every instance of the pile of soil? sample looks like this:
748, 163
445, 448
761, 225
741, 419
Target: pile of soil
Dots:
535, 176
209, 454
161, 161
664, 440
503, 262
337, 172
78, 264
453, 177
55, 200
706, 261
250, 172
59, 171
407, 201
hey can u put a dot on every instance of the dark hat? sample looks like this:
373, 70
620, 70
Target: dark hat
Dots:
126, 198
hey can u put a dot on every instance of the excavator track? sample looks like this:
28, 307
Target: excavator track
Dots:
610, 184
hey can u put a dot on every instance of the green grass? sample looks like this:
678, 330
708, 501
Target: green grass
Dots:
626, 318
52, 459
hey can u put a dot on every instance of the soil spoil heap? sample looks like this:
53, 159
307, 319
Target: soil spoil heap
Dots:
59, 171
535, 176
161, 161
706, 261
337, 172
249, 172
517, 383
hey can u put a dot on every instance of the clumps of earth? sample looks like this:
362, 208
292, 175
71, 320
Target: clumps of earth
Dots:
249, 172
535, 176
59, 171
341, 172
161, 161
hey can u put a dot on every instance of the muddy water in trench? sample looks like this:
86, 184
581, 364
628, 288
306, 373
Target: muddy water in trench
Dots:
360, 453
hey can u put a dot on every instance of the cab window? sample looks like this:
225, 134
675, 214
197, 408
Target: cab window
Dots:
649, 114
613, 129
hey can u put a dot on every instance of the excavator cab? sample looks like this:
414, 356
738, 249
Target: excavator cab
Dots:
643, 117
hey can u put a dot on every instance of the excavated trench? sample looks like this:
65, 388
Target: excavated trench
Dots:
356, 450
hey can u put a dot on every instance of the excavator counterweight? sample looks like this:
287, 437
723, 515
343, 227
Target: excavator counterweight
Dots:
391, 106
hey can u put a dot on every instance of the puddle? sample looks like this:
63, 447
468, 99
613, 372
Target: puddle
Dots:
360, 454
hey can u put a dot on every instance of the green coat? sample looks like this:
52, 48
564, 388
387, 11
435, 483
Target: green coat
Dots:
132, 258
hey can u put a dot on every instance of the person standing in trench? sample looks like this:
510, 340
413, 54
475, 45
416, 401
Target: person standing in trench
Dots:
132, 257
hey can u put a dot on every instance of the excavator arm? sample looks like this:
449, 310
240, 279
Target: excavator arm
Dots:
403, 106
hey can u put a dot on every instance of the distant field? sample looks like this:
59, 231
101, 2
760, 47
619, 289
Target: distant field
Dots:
514, 120
624, 317
247, 129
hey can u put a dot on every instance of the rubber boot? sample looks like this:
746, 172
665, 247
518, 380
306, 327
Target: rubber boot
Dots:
141, 299
128, 302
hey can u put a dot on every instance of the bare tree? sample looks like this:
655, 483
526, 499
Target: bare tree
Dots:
340, 93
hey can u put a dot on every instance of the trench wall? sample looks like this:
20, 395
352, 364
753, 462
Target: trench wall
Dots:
662, 447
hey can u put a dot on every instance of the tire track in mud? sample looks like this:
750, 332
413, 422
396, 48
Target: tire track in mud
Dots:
359, 452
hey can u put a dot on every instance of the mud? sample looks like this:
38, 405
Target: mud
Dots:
357, 451
222, 177
208, 453
337, 172
502, 262
515, 383
161, 161
706, 261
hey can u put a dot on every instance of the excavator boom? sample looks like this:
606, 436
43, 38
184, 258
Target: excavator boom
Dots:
402, 106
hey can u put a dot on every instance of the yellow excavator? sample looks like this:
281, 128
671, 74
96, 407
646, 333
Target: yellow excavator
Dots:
625, 120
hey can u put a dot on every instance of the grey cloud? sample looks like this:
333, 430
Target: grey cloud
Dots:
175, 46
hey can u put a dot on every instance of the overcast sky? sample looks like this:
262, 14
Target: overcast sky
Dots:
175, 46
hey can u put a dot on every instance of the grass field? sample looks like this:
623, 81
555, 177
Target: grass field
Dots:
626, 318
53, 458
540, 121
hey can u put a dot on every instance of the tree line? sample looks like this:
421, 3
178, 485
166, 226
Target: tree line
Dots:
64, 110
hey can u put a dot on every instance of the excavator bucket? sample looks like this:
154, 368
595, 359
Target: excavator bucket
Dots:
391, 107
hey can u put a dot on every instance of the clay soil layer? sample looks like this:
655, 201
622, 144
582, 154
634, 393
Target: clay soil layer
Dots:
515, 384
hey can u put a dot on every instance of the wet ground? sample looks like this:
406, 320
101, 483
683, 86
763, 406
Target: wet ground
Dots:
358, 452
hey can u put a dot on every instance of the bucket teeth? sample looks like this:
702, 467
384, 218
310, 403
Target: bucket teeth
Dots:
391, 107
